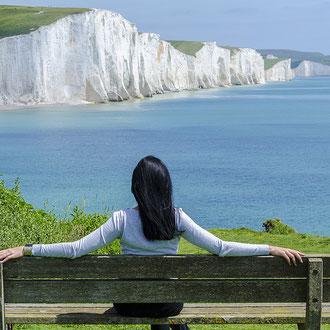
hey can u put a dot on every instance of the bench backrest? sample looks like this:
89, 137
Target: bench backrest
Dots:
185, 278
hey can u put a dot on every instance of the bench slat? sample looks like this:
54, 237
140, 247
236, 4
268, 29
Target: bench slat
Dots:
326, 263
157, 267
75, 291
326, 267
192, 313
326, 290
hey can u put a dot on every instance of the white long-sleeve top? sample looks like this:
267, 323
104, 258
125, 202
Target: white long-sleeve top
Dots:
127, 226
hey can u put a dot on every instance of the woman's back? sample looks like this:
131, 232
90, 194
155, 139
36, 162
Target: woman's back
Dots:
133, 240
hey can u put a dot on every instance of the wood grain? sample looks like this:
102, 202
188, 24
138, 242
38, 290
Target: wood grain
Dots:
250, 289
156, 267
75, 291
191, 313
314, 296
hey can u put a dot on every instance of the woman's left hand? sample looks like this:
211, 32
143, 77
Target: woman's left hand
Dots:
13, 253
290, 255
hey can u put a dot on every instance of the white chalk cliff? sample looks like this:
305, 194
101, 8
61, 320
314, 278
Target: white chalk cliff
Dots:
98, 56
281, 71
246, 67
310, 68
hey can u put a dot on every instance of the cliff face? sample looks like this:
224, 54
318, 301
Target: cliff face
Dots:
163, 68
309, 68
212, 66
246, 67
281, 71
98, 56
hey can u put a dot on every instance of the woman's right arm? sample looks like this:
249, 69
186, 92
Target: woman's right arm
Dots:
101, 236
204, 239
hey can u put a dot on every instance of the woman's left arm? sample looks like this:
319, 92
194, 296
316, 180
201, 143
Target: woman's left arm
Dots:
103, 235
206, 240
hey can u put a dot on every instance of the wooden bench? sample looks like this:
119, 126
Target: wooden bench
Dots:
216, 290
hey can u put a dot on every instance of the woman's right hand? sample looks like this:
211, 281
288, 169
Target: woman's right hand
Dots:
12, 253
291, 256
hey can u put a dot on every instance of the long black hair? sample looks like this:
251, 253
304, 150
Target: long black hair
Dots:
152, 189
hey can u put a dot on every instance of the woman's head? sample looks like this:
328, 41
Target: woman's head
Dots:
152, 189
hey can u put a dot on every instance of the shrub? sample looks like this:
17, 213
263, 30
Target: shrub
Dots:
276, 226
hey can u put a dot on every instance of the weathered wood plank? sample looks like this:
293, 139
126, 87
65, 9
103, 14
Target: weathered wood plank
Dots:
94, 314
326, 290
314, 296
25, 306
326, 267
326, 263
70, 291
2, 300
275, 311
235, 308
181, 266
192, 313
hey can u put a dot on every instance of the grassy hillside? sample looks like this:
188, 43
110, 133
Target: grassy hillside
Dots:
187, 47
269, 63
16, 20
297, 56
20, 223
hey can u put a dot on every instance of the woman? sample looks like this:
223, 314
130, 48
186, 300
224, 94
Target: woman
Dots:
153, 227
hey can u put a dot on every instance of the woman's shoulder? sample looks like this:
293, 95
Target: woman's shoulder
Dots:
179, 212
126, 213
179, 215
118, 216
125, 210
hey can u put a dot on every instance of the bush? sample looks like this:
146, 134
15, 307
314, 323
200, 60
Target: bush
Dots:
276, 226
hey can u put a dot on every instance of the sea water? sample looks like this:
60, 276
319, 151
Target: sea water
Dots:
237, 155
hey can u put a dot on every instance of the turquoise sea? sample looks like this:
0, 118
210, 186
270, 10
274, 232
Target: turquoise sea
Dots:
237, 155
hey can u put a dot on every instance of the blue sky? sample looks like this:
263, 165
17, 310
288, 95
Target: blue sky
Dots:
294, 24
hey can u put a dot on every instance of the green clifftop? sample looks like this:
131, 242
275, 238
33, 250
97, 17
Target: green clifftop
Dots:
187, 47
269, 63
297, 56
15, 20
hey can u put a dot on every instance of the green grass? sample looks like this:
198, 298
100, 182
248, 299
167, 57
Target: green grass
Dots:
20, 223
15, 20
187, 47
269, 63
304, 242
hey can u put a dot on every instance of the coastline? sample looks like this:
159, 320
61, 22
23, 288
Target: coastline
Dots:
167, 95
